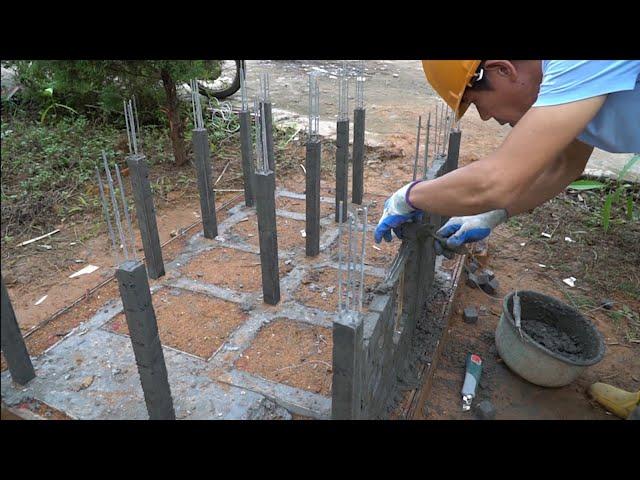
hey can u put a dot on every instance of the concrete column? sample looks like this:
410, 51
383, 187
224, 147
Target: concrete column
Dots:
342, 168
143, 330
146, 214
357, 185
347, 367
312, 229
247, 157
453, 151
268, 123
266, 211
202, 155
13, 346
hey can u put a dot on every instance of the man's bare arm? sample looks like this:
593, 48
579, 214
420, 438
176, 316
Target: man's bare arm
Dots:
504, 177
569, 165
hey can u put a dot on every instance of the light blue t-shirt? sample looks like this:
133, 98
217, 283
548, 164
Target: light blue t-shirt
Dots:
616, 126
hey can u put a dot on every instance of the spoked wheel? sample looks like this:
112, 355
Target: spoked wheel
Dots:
227, 83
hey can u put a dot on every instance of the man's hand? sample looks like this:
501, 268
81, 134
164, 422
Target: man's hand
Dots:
459, 230
397, 210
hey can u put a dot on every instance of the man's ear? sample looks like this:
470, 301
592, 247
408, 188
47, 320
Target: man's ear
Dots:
502, 68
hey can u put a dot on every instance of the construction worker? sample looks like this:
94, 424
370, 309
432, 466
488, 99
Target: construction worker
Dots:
559, 110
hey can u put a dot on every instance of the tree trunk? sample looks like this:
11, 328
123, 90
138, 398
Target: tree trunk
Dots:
176, 128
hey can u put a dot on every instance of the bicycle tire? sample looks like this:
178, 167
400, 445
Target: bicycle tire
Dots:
226, 92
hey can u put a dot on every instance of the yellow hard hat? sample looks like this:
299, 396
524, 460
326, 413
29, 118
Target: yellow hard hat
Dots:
450, 78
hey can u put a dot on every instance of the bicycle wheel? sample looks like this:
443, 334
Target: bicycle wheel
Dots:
227, 83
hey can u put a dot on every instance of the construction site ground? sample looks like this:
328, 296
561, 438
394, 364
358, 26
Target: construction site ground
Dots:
298, 354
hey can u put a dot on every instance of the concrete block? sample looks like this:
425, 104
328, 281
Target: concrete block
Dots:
491, 287
482, 277
473, 266
472, 280
489, 273
485, 411
470, 315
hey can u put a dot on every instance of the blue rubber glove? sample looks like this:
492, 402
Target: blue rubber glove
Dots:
397, 211
469, 229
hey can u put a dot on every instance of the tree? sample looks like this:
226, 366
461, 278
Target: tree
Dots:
98, 88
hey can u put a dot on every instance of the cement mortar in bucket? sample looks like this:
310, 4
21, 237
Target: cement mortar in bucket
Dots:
557, 344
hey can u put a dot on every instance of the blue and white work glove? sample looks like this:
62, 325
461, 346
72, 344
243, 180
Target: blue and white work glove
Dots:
469, 229
397, 211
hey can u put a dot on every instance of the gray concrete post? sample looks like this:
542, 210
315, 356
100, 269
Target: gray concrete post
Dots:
267, 231
268, 123
312, 229
146, 214
342, 168
201, 151
357, 185
13, 346
453, 150
143, 330
347, 367
247, 157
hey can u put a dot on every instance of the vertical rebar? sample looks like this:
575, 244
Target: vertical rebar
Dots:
442, 128
314, 106
426, 147
138, 131
262, 159
360, 79
349, 261
243, 88
114, 202
125, 207
196, 105
415, 162
436, 137
362, 256
264, 87
105, 210
193, 104
132, 132
343, 94
126, 121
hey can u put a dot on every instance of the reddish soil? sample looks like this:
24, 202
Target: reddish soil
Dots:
241, 270
292, 353
191, 322
299, 206
289, 236
54, 331
31, 274
319, 289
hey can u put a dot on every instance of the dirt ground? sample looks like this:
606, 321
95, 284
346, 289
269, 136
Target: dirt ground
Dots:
291, 353
241, 273
191, 322
33, 271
